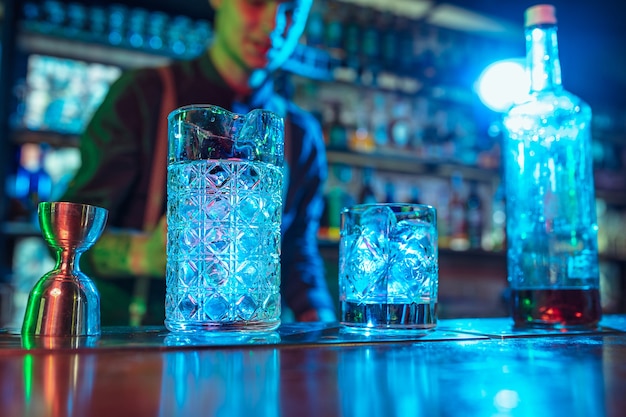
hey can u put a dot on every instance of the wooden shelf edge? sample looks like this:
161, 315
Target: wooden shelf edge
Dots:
87, 51
19, 229
21, 136
409, 165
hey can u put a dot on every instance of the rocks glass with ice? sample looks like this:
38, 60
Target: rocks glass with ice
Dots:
224, 208
388, 267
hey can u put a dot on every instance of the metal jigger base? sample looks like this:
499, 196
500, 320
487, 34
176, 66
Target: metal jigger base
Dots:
65, 302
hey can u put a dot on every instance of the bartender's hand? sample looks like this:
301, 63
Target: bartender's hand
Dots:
126, 252
146, 255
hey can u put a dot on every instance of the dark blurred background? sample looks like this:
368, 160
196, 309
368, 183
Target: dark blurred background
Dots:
592, 43
592, 37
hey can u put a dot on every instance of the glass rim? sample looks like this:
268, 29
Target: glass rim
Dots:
206, 107
364, 206
200, 132
198, 107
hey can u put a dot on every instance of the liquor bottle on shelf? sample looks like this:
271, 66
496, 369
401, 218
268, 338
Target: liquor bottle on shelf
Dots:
336, 134
352, 33
442, 202
336, 199
390, 192
55, 14
458, 220
137, 21
314, 30
118, 19
156, 28
419, 125
400, 129
334, 28
371, 29
416, 198
474, 214
77, 17
406, 57
380, 121
97, 25
389, 43
552, 247
427, 57
497, 241
367, 194
361, 138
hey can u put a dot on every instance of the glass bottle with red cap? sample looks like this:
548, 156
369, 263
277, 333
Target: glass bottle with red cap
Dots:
552, 251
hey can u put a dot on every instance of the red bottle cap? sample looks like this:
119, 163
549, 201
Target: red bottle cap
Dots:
540, 14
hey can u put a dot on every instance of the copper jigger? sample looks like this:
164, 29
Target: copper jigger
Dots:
65, 301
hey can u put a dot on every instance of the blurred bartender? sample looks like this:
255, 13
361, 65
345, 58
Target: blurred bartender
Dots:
252, 39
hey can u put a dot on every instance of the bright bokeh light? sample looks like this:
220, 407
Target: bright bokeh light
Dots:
502, 84
506, 400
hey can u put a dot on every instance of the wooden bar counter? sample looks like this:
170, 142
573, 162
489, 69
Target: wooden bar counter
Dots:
466, 367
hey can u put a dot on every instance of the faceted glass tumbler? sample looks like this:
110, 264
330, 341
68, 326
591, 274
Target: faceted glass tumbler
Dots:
388, 267
224, 212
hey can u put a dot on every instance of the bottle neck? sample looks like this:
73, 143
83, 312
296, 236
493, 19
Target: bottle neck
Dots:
542, 58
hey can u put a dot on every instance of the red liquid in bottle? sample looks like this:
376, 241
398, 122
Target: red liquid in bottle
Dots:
556, 307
